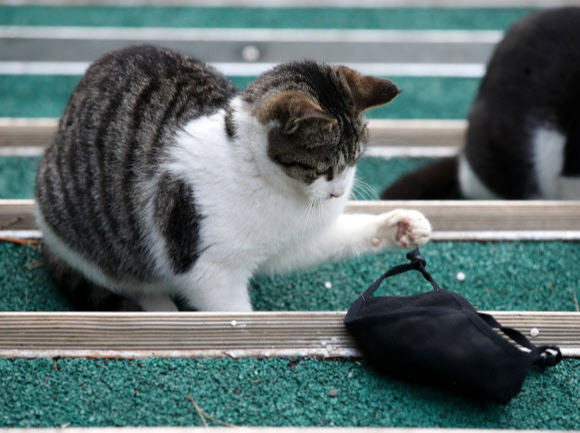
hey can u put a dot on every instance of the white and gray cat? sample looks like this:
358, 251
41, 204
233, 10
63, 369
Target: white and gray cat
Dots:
523, 139
164, 182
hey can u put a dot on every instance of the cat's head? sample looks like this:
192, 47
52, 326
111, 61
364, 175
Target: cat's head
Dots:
316, 128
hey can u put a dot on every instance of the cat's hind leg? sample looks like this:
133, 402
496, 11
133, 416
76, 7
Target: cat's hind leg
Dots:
83, 294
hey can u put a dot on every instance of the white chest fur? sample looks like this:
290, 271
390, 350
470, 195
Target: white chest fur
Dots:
250, 207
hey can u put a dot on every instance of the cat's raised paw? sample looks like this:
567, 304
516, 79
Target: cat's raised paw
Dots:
403, 229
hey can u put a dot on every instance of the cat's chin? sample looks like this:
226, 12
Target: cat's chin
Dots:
317, 201
320, 201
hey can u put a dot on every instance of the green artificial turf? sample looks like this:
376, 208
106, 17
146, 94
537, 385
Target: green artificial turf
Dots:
17, 176
422, 97
499, 276
316, 18
269, 392
374, 174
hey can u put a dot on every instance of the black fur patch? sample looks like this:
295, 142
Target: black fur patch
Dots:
572, 150
436, 181
179, 221
231, 128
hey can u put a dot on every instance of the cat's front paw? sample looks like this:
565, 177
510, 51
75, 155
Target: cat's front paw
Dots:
402, 228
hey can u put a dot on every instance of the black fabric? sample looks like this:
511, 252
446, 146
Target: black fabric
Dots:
439, 338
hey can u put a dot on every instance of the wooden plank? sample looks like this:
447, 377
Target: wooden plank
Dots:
37, 133
417, 133
204, 334
17, 215
486, 215
451, 220
16, 132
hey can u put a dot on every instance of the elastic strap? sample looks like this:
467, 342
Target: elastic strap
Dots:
417, 263
543, 356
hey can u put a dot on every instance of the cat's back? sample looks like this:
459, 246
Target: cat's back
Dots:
101, 169
142, 87
538, 59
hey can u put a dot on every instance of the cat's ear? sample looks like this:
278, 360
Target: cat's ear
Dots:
303, 110
367, 91
292, 110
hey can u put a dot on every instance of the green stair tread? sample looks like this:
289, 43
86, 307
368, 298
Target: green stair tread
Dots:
217, 17
499, 276
422, 97
269, 392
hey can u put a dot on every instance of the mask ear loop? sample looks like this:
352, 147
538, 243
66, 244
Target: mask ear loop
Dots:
417, 263
542, 356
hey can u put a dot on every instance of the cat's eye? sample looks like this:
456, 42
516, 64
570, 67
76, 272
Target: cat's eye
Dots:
328, 174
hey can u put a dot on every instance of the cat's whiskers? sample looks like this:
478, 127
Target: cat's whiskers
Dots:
366, 191
367, 187
306, 218
357, 194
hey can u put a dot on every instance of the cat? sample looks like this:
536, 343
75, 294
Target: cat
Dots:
166, 183
523, 136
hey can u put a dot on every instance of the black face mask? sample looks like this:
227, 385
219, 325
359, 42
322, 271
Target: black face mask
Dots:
437, 337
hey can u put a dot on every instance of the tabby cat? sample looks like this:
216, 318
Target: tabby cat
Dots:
523, 139
164, 182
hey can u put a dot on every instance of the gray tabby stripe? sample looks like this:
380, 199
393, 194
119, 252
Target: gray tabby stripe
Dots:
152, 153
129, 166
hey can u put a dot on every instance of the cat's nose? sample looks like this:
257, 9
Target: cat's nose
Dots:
336, 194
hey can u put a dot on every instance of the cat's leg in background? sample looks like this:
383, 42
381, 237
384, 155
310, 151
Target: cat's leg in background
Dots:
156, 302
569, 180
548, 146
216, 286
352, 235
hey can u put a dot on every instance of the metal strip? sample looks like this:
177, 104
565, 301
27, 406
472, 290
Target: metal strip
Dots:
204, 334
405, 151
22, 151
239, 69
512, 236
251, 34
469, 49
